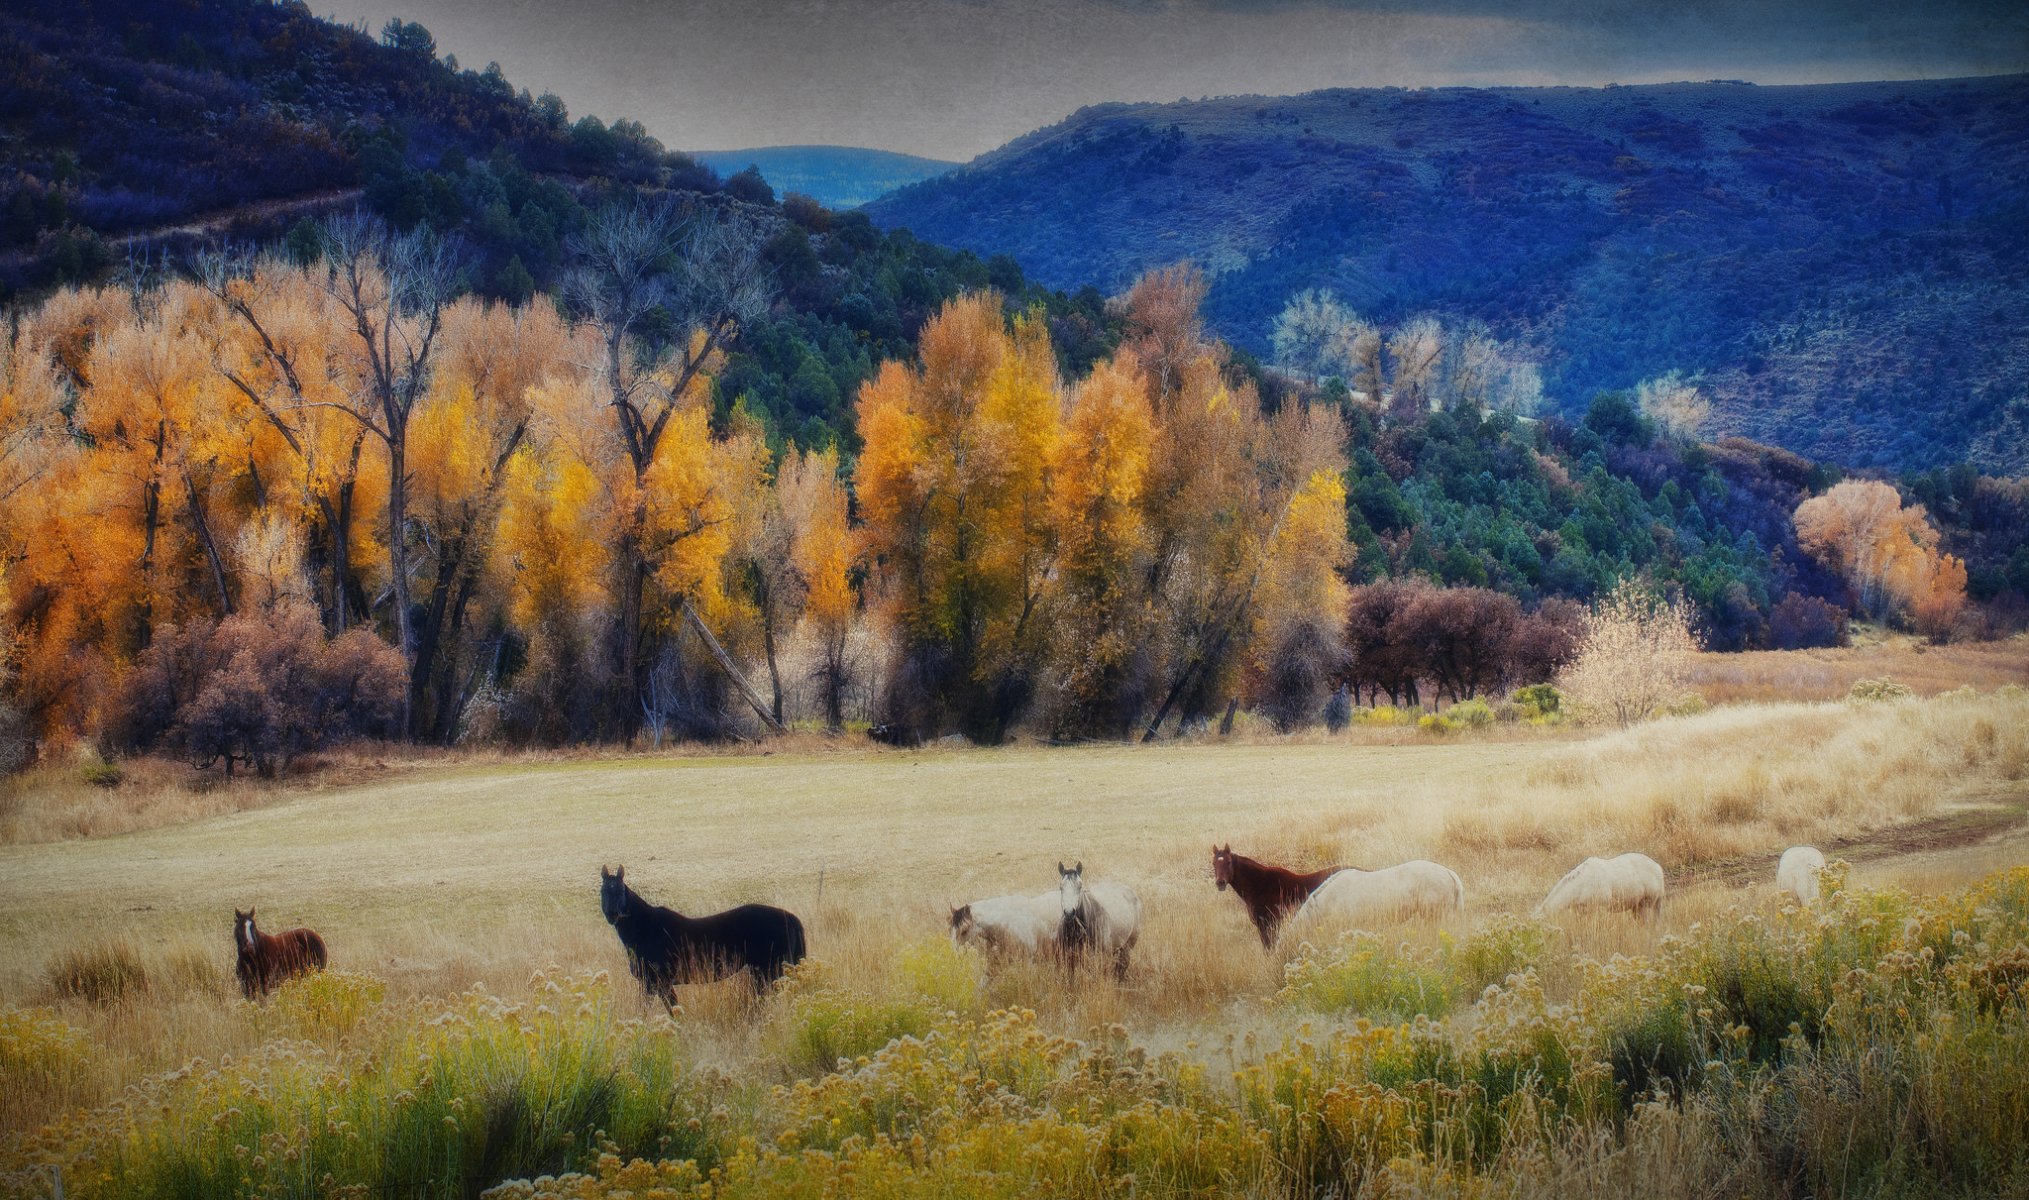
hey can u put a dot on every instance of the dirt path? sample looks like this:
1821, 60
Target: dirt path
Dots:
212, 223
1975, 822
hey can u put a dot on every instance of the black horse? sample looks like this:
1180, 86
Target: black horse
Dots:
666, 948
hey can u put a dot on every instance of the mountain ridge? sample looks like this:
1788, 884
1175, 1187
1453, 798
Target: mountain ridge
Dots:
1737, 232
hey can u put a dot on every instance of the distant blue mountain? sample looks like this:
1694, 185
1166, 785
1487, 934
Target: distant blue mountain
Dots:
834, 176
1844, 266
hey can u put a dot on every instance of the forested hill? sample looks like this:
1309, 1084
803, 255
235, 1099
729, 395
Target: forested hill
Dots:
1843, 265
834, 176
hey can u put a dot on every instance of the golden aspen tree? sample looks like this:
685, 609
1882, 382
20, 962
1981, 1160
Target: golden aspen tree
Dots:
953, 482
279, 346
550, 562
705, 272
1299, 610
489, 361
390, 291
1099, 475
816, 509
1887, 553
151, 412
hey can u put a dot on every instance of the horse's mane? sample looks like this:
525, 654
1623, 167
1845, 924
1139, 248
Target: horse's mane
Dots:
1262, 871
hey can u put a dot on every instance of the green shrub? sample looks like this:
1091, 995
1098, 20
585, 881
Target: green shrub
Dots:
100, 773
1384, 714
1502, 947
1433, 723
1365, 976
822, 1026
1539, 700
1878, 690
1470, 714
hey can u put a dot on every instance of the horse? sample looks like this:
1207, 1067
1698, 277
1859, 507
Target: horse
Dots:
1360, 899
1105, 917
665, 948
1004, 925
1270, 893
266, 959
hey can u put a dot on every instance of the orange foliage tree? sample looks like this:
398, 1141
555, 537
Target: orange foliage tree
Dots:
1887, 553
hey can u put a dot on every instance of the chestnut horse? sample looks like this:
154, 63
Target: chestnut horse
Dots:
266, 959
665, 948
1269, 892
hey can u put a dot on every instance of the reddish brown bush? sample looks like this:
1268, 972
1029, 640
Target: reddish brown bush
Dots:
1461, 642
1800, 622
258, 689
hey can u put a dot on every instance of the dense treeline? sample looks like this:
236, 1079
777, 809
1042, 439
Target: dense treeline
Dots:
283, 500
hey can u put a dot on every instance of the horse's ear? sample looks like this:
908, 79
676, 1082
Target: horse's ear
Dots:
620, 872
1080, 868
1060, 867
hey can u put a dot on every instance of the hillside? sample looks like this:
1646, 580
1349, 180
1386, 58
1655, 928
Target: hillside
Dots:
133, 133
834, 176
1842, 264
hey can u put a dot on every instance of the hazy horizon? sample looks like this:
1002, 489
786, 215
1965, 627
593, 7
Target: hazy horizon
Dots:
951, 79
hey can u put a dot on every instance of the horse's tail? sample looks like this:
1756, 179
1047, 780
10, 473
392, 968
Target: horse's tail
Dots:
795, 948
313, 949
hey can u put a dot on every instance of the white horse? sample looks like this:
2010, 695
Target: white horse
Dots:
1418, 888
1009, 925
1797, 873
1105, 917
1628, 883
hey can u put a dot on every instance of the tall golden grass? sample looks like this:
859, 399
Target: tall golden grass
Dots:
479, 875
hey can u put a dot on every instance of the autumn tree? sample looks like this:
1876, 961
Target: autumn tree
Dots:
951, 483
822, 554
1102, 614
490, 362
1220, 482
391, 291
1300, 611
1317, 336
1887, 553
1634, 655
643, 268
279, 348
1676, 406
1417, 349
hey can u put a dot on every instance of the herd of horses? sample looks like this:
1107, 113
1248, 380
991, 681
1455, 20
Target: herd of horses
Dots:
1076, 919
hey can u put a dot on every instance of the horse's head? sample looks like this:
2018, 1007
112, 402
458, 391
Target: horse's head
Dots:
1222, 865
613, 894
1071, 886
961, 925
243, 929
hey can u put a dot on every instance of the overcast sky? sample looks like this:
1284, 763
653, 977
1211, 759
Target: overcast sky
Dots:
953, 78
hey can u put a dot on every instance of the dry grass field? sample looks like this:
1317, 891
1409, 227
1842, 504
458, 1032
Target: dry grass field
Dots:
455, 875
1776, 675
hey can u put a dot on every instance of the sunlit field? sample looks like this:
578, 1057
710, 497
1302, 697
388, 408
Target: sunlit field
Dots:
478, 1024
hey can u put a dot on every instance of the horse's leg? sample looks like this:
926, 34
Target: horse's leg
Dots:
1120, 962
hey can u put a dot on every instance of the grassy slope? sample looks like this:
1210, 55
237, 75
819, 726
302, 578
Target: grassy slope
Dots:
1835, 259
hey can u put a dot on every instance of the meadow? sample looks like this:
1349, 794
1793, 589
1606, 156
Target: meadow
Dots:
478, 1025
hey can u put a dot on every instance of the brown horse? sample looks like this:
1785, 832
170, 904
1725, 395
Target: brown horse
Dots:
266, 959
1269, 892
